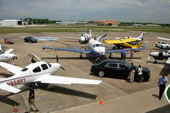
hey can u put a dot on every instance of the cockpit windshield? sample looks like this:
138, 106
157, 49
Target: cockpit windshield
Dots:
98, 45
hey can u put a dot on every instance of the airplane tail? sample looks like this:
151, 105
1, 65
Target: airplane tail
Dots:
90, 34
100, 37
141, 36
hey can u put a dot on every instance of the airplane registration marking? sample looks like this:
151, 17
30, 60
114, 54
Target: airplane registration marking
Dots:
15, 82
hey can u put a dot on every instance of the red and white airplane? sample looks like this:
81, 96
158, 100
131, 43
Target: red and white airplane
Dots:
38, 72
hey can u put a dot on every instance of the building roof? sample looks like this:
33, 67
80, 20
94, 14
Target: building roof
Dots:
10, 20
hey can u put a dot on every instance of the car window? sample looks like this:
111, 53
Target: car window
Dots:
111, 65
44, 66
122, 66
37, 69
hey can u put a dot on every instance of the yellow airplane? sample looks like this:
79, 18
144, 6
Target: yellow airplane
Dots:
129, 43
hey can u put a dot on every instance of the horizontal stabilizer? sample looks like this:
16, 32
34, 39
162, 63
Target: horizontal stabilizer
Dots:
168, 61
9, 88
9, 51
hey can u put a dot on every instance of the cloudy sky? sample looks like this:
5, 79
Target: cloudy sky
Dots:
156, 11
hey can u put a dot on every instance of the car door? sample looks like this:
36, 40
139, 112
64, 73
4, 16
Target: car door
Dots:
111, 69
123, 71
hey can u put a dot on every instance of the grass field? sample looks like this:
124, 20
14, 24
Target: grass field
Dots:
80, 28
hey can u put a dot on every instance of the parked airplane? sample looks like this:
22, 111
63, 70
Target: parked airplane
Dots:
160, 56
128, 43
7, 56
85, 37
94, 47
139, 38
38, 72
165, 39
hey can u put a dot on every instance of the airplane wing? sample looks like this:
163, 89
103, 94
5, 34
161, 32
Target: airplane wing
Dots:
121, 41
55, 38
9, 51
128, 49
9, 88
67, 49
66, 80
166, 39
11, 68
168, 61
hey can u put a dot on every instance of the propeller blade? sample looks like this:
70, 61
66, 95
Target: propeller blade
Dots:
62, 68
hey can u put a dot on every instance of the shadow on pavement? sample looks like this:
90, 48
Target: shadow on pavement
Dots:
62, 90
164, 109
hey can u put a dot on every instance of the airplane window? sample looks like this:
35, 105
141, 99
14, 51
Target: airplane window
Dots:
37, 69
44, 66
101, 45
49, 64
24, 69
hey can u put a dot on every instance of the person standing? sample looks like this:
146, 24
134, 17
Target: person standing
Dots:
140, 69
162, 84
131, 54
132, 73
31, 99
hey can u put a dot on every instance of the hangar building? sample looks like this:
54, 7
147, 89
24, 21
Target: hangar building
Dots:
10, 23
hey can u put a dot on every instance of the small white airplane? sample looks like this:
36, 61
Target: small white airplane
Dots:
7, 56
139, 38
95, 47
85, 37
160, 56
37, 72
165, 39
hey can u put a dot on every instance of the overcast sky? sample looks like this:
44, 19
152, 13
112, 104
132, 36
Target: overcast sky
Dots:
156, 11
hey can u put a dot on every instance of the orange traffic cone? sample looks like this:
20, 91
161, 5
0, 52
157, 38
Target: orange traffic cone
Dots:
101, 101
15, 110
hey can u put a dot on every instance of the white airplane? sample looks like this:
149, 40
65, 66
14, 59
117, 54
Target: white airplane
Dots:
7, 56
139, 38
85, 37
37, 72
165, 39
160, 56
94, 47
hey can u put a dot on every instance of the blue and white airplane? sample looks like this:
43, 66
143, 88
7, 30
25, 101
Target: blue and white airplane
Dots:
94, 47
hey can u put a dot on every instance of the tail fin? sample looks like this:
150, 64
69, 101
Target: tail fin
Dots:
141, 36
90, 34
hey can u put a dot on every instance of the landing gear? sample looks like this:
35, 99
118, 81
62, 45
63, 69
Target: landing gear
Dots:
110, 55
81, 56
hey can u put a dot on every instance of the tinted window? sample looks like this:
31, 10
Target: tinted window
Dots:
37, 69
112, 65
44, 66
122, 66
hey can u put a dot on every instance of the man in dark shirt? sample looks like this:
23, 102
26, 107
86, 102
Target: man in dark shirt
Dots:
31, 98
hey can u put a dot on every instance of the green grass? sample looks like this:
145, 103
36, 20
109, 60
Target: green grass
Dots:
79, 28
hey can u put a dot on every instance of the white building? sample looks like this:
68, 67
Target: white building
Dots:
10, 22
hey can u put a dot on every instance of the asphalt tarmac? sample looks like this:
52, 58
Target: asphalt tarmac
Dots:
62, 97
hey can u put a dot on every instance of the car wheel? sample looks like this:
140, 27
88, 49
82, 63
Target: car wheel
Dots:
101, 73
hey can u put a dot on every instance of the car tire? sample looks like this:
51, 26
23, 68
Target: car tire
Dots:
101, 74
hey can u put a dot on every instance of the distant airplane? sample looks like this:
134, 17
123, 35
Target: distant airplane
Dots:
85, 37
94, 47
139, 38
7, 56
38, 72
160, 56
